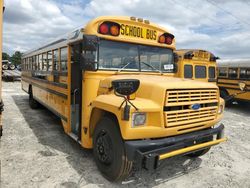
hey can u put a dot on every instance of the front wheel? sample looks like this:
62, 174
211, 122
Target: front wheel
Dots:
109, 151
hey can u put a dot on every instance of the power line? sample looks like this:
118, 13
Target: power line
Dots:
198, 13
228, 12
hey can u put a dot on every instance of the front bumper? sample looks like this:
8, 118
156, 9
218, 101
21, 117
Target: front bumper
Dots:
147, 153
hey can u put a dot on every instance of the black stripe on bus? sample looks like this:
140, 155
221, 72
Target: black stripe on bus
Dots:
233, 88
51, 109
49, 90
234, 84
48, 82
226, 78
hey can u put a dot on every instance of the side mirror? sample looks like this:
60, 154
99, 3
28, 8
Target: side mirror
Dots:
89, 62
90, 42
242, 86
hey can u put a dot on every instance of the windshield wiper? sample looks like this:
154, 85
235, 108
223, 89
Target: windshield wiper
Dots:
151, 67
119, 70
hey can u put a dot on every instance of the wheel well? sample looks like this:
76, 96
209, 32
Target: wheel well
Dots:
96, 116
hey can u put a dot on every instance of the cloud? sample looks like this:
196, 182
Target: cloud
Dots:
221, 27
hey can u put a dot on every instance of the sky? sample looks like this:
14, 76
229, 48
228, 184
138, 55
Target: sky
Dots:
219, 26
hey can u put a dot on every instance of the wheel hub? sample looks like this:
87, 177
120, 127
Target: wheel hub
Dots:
104, 148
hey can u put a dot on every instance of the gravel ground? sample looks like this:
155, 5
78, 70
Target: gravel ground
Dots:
35, 152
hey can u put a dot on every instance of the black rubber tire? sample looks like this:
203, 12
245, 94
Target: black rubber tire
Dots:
116, 167
198, 153
12, 67
34, 104
5, 67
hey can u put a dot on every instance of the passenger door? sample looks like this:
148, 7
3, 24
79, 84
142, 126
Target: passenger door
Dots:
76, 91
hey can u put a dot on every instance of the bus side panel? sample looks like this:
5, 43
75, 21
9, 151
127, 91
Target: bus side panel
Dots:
25, 86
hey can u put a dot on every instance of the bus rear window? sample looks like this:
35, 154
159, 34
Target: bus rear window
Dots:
211, 72
232, 73
188, 71
200, 71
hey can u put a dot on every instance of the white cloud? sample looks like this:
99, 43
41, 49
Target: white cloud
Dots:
219, 26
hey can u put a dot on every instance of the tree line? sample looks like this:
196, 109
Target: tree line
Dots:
14, 58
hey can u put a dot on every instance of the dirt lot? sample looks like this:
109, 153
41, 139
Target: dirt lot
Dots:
36, 153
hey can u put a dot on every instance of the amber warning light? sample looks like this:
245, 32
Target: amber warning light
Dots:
166, 38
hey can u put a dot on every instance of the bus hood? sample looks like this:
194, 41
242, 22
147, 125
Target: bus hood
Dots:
154, 86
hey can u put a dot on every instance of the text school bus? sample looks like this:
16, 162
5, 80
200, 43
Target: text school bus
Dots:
231, 72
196, 64
107, 84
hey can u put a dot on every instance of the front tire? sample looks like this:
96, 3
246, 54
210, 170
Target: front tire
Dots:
109, 151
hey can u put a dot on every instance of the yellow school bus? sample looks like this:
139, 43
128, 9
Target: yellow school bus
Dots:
231, 72
1, 30
196, 64
107, 82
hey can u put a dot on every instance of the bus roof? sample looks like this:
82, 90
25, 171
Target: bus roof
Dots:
184, 51
91, 28
196, 54
234, 63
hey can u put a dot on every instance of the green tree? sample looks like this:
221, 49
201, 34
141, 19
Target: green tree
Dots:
5, 56
16, 58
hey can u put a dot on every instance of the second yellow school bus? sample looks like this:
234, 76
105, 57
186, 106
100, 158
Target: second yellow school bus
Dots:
107, 82
231, 72
196, 64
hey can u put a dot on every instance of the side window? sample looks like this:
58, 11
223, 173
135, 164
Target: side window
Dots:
211, 72
45, 61
200, 71
30, 63
40, 62
222, 72
33, 62
63, 59
55, 60
188, 71
49, 55
248, 74
37, 64
244, 73
232, 73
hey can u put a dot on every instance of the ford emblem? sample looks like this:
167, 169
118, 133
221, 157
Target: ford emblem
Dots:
195, 106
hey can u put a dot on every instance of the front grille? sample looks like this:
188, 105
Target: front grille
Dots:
190, 96
178, 110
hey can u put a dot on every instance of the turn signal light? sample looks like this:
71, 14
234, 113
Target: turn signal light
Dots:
109, 28
166, 38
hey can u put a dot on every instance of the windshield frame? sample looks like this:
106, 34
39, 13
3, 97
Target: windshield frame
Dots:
139, 59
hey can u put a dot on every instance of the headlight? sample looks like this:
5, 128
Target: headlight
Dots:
138, 119
220, 110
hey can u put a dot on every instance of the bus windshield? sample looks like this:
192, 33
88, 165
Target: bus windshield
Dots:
134, 57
